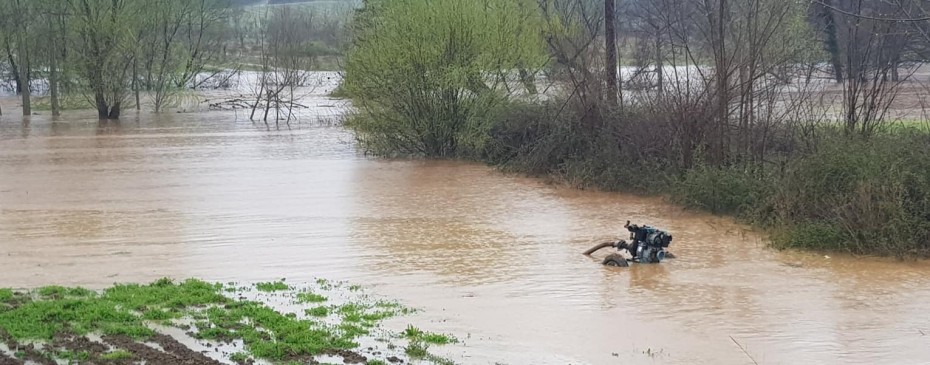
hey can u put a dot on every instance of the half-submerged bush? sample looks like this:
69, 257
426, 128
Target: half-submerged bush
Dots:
738, 190
423, 73
863, 197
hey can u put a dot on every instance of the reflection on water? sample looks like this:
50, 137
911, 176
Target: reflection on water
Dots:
496, 256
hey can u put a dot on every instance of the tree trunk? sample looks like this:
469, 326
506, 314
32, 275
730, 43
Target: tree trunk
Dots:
103, 110
114, 111
833, 47
27, 99
723, 86
610, 35
53, 87
529, 81
14, 69
24, 76
660, 71
135, 86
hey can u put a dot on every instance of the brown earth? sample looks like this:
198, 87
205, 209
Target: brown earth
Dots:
173, 354
6, 360
29, 351
348, 357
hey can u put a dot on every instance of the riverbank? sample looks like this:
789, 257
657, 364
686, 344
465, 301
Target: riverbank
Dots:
812, 188
196, 322
816, 189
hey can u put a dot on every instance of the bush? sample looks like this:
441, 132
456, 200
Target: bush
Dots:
739, 190
418, 72
863, 197
622, 154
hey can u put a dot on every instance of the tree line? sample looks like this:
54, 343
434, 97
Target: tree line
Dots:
112, 54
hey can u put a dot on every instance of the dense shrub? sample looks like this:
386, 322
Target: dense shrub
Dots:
863, 197
738, 190
621, 155
419, 72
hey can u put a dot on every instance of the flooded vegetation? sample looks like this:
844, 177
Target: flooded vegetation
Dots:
265, 322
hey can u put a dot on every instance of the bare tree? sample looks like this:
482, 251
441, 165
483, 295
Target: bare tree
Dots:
610, 38
286, 55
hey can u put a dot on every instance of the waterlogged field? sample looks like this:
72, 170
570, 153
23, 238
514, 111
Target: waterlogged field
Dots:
196, 322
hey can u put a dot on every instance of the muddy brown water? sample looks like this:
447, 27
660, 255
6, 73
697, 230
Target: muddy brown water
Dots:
490, 257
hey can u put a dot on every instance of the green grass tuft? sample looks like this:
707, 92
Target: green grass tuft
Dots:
58, 292
319, 311
272, 286
6, 295
310, 297
73, 356
117, 355
415, 334
239, 357
417, 350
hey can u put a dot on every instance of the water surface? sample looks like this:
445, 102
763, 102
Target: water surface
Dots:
493, 258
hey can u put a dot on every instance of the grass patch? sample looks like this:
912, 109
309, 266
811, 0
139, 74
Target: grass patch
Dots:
310, 297
417, 350
275, 336
73, 356
40, 320
239, 357
352, 330
324, 284
416, 335
439, 360
319, 311
6, 295
117, 355
58, 292
120, 310
128, 309
272, 286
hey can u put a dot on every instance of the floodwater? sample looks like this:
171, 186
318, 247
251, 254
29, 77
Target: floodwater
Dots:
493, 258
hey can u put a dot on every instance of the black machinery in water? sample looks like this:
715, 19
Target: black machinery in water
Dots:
647, 245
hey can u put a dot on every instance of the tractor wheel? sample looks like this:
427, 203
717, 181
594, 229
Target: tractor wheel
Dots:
616, 260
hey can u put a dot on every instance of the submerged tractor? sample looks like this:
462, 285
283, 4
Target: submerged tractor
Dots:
647, 245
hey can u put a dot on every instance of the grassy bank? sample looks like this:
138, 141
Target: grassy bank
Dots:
274, 321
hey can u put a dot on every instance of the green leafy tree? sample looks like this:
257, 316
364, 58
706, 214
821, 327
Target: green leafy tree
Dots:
425, 74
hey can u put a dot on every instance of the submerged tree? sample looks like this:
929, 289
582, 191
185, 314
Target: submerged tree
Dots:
104, 48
